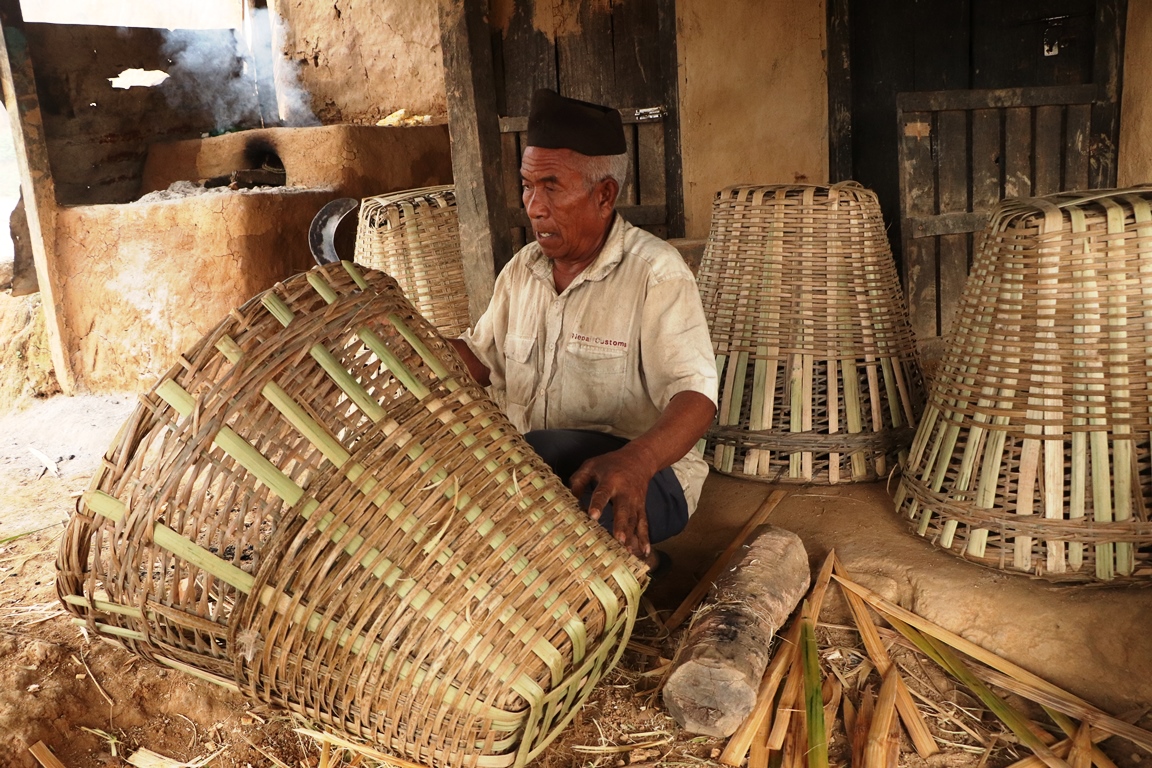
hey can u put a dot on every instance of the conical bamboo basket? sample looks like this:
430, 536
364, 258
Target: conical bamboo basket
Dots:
414, 236
318, 508
1034, 451
819, 379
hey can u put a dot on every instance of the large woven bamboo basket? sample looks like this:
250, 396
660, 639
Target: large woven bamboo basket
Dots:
1033, 454
819, 379
414, 236
318, 507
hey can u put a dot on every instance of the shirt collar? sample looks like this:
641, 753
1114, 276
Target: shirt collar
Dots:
610, 255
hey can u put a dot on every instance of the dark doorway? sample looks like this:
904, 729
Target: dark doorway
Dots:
945, 108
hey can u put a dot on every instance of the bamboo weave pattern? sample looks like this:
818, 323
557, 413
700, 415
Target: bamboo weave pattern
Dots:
819, 377
1034, 451
320, 509
414, 236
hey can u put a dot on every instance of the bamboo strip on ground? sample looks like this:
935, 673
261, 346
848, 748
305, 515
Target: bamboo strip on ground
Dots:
1012, 677
918, 732
44, 756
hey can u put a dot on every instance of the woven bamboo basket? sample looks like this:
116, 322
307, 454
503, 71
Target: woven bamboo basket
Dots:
414, 236
1034, 451
819, 379
318, 507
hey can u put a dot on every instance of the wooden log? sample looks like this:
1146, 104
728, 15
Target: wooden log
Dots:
713, 686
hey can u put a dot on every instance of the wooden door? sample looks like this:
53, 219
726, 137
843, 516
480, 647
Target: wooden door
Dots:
960, 153
978, 100
622, 54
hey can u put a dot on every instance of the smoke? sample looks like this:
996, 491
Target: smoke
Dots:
236, 75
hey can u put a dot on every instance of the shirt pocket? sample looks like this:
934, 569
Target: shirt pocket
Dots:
592, 387
520, 369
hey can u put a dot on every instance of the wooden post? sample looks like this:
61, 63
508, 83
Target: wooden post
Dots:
23, 107
485, 236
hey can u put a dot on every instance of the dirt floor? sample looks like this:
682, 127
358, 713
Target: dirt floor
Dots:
93, 703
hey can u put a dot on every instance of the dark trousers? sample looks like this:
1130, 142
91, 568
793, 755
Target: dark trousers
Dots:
564, 450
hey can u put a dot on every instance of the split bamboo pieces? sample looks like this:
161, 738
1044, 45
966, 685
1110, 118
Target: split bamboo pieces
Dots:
1002, 672
922, 739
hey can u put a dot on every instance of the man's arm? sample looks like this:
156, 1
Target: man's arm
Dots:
622, 476
478, 370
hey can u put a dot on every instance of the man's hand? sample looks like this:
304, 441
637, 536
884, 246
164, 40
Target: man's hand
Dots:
621, 477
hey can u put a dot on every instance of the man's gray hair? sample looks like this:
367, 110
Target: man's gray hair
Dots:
599, 167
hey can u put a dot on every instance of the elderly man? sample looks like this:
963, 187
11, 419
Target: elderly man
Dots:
595, 335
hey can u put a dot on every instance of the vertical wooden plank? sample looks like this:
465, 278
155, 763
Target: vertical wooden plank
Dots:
1106, 69
1017, 152
22, 103
485, 238
636, 56
1048, 150
650, 163
953, 194
673, 167
918, 198
986, 160
585, 53
1077, 129
628, 194
528, 55
839, 92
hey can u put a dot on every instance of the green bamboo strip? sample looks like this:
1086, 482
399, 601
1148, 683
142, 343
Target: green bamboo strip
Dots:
853, 414
756, 415
769, 415
737, 402
895, 411
1009, 715
355, 274
166, 538
813, 693
112, 630
795, 407
200, 674
1026, 490
808, 375
1046, 370
104, 606
1119, 379
833, 418
722, 373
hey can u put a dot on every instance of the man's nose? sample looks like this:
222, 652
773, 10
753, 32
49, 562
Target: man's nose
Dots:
535, 204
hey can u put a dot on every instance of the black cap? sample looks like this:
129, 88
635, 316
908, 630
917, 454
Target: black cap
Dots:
557, 122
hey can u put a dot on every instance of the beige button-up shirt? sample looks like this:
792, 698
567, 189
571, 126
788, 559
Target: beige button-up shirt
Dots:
606, 354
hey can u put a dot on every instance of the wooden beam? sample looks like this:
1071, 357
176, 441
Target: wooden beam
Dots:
839, 92
474, 126
673, 163
1107, 72
23, 107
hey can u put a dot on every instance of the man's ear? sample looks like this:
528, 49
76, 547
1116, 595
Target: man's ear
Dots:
606, 192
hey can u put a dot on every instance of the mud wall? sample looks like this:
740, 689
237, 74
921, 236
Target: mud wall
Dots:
753, 97
1135, 159
362, 60
142, 282
98, 135
358, 161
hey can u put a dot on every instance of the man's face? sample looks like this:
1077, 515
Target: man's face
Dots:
568, 219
